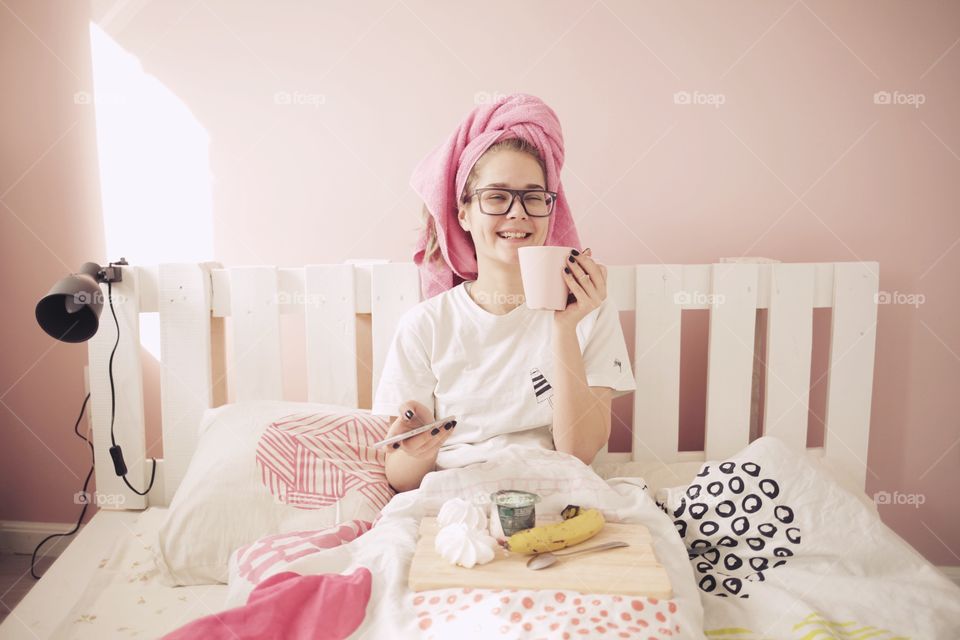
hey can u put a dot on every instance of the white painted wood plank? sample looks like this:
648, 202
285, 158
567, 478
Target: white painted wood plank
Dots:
696, 280
853, 337
789, 352
362, 278
290, 288
622, 286
149, 280
331, 334
128, 383
220, 278
621, 291
823, 285
255, 365
733, 308
394, 288
656, 404
185, 377
694, 285
814, 455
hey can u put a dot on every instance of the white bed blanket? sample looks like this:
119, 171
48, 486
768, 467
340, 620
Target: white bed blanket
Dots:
394, 611
780, 550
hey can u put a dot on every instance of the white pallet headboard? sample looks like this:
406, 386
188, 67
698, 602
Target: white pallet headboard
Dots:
192, 298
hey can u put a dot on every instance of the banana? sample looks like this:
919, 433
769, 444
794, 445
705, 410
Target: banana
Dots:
557, 535
570, 511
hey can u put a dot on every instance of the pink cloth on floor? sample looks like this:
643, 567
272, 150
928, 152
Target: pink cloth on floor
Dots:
440, 177
290, 606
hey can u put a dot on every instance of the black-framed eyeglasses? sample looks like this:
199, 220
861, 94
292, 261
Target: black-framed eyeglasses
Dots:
496, 201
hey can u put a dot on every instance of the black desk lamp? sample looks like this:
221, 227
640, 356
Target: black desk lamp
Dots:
70, 312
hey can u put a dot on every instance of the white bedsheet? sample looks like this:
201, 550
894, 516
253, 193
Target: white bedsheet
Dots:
121, 596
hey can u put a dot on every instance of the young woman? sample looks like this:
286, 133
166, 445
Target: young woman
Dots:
510, 375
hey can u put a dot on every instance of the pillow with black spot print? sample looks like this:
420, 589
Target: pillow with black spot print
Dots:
781, 548
739, 517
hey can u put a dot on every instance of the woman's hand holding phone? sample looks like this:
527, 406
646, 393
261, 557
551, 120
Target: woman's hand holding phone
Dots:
423, 446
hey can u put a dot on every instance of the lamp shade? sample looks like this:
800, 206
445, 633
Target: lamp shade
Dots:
71, 310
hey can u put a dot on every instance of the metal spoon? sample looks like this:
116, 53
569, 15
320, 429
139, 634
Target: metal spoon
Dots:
546, 559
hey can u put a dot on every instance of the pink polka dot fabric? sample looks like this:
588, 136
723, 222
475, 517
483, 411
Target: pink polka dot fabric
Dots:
515, 613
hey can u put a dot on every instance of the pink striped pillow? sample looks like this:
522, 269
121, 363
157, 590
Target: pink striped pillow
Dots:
270, 467
312, 460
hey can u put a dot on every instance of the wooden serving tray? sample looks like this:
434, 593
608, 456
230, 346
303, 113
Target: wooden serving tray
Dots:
632, 570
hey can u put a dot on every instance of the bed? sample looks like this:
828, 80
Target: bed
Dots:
105, 585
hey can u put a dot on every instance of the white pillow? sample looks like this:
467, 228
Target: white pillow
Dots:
263, 468
656, 474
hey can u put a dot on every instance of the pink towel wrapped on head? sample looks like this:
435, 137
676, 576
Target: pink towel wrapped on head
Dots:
439, 179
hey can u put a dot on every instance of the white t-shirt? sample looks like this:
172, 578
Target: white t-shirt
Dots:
492, 372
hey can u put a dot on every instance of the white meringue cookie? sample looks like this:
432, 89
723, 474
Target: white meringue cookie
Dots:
459, 510
460, 544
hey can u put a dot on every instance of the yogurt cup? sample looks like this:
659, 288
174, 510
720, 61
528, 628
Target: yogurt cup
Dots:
517, 509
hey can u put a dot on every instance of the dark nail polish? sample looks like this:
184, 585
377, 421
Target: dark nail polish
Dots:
408, 414
449, 425
571, 259
567, 269
575, 252
396, 445
435, 432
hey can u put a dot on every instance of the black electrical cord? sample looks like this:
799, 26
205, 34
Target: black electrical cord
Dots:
115, 452
84, 494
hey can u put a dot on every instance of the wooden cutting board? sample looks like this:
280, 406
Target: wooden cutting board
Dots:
632, 570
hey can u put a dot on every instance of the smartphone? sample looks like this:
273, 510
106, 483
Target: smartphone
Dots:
413, 432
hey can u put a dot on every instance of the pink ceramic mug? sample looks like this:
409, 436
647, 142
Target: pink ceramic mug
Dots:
541, 269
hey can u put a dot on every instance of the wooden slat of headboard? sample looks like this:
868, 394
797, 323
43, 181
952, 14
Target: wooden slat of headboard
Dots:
733, 313
128, 384
186, 375
621, 291
394, 288
656, 404
853, 336
789, 351
330, 309
256, 364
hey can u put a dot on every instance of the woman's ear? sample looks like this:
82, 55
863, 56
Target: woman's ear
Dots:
462, 219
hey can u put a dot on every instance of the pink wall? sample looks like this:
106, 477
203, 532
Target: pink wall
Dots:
49, 224
798, 163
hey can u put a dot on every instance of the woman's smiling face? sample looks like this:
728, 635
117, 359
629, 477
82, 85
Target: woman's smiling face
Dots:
513, 170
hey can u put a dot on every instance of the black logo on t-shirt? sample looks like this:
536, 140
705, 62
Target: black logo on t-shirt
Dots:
617, 364
541, 387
